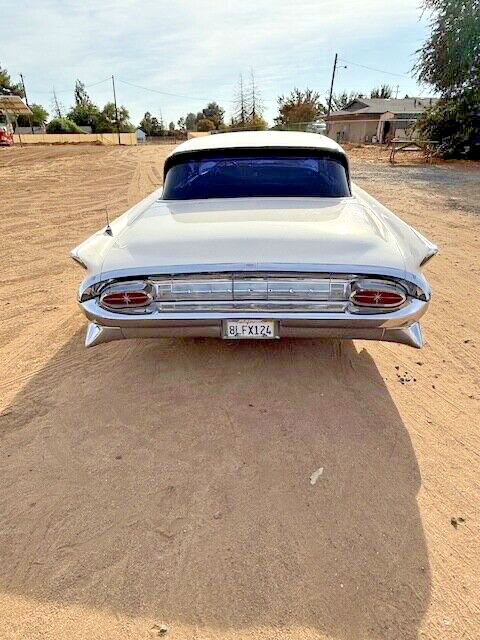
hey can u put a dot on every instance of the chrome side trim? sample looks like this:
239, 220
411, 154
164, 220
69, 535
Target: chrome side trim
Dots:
287, 267
257, 305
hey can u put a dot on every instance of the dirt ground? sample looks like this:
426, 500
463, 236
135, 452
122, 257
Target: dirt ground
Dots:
167, 482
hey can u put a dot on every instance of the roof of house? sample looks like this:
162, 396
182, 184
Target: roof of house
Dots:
259, 139
382, 105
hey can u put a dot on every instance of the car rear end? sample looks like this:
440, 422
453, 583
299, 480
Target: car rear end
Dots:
253, 303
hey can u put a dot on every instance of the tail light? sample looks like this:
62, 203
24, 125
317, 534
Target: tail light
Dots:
377, 294
126, 296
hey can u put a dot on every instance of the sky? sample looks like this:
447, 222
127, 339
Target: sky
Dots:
198, 49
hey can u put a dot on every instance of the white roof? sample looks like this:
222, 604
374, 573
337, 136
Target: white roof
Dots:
259, 139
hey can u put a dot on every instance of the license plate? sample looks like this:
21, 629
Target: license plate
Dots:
250, 329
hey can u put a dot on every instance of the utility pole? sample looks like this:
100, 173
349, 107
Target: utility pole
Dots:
26, 101
116, 109
331, 88
396, 92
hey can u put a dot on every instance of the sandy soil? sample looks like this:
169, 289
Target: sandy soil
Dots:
167, 482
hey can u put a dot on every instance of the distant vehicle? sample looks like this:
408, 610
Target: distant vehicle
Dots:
6, 133
317, 127
256, 235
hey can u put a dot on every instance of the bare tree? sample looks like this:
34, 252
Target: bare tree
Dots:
256, 107
240, 104
57, 107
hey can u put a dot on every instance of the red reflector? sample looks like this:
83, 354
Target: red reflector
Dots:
377, 298
122, 299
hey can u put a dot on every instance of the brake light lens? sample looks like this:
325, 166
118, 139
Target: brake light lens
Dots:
126, 296
378, 295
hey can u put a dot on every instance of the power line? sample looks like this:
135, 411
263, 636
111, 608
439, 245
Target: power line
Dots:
390, 73
163, 93
177, 95
87, 86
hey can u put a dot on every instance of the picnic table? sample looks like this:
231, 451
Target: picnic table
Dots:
398, 144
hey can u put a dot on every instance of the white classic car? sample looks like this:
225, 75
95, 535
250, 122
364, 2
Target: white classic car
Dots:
256, 235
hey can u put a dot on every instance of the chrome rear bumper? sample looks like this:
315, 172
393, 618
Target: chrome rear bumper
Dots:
396, 326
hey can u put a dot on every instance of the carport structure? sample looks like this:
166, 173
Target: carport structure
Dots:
10, 108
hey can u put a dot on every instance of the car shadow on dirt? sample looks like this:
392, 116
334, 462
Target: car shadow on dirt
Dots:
171, 480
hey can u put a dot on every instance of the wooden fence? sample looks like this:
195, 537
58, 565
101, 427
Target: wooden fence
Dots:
75, 138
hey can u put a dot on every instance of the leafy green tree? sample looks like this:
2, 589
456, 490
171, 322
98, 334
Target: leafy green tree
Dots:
450, 62
300, 107
181, 124
62, 125
39, 116
213, 112
450, 122
107, 121
256, 123
85, 113
191, 122
342, 100
384, 91
151, 126
171, 126
204, 124
450, 58
9, 87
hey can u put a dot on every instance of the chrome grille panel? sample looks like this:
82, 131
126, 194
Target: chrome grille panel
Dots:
250, 289
240, 287
179, 289
252, 292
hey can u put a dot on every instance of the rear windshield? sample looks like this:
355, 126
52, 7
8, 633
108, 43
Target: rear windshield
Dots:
248, 175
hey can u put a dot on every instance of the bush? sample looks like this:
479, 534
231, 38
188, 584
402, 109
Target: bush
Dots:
62, 125
451, 122
204, 124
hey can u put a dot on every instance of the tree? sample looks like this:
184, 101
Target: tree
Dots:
80, 93
57, 107
450, 58
39, 117
150, 125
171, 127
107, 122
212, 112
181, 124
450, 122
191, 122
204, 124
256, 123
240, 105
84, 113
7, 86
299, 108
60, 124
342, 100
256, 107
385, 91
450, 62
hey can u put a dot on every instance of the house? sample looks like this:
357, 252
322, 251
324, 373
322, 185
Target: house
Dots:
140, 135
376, 119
